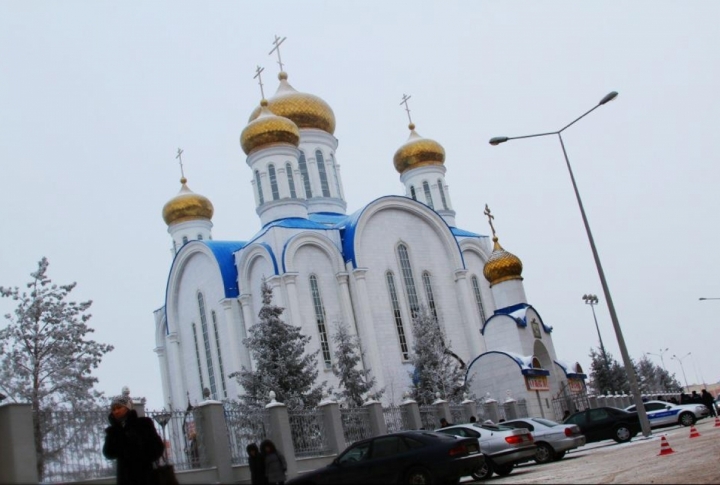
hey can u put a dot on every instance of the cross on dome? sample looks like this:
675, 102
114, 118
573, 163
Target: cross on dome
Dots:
490, 219
258, 76
182, 170
404, 101
277, 43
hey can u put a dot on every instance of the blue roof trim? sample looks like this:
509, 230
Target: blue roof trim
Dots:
272, 257
520, 321
457, 232
328, 218
570, 375
523, 370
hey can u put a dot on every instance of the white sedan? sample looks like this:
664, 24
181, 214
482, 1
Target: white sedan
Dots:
661, 413
553, 440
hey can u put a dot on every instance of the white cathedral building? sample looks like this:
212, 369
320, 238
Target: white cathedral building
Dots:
371, 269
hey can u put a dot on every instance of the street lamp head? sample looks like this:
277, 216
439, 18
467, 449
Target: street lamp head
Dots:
585, 297
608, 97
498, 140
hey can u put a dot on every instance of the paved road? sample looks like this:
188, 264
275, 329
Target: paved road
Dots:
694, 461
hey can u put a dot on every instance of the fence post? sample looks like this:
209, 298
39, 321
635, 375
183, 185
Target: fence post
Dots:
601, 401
333, 424
442, 409
215, 439
378, 426
412, 412
491, 410
18, 462
281, 434
469, 409
511, 409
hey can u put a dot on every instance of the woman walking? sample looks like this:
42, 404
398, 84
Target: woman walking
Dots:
275, 464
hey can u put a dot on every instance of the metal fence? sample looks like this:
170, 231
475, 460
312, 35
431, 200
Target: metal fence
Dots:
243, 429
308, 433
181, 432
72, 443
522, 408
355, 424
428, 417
395, 419
457, 414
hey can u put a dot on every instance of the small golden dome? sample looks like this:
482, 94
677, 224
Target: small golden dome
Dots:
502, 265
305, 110
187, 206
418, 152
268, 129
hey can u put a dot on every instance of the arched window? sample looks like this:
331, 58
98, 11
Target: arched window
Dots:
412, 192
304, 174
397, 315
408, 279
197, 355
478, 298
442, 194
320, 319
536, 363
206, 341
291, 180
428, 195
259, 187
273, 182
323, 174
185, 240
337, 176
219, 353
429, 294
200, 238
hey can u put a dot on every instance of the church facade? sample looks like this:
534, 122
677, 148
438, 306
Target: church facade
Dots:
371, 270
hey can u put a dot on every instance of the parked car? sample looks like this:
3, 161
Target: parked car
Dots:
406, 457
606, 424
552, 439
502, 447
661, 413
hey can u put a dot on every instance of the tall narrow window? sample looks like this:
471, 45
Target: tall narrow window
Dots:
429, 293
320, 319
323, 174
412, 192
206, 341
200, 238
397, 315
409, 280
304, 174
337, 176
185, 240
442, 194
259, 187
428, 195
478, 298
273, 182
197, 355
217, 347
291, 180
174, 246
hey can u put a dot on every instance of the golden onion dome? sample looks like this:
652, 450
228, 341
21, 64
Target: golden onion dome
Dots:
305, 110
268, 129
187, 206
502, 265
418, 152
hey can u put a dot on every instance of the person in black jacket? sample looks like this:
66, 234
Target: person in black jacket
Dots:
256, 462
133, 442
709, 402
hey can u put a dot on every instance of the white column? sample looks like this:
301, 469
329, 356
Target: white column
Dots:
471, 320
246, 303
282, 181
234, 335
265, 182
437, 199
314, 177
293, 303
165, 378
365, 322
447, 196
346, 302
255, 191
299, 184
340, 182
178, 384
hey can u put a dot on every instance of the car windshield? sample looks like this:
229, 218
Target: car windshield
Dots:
545, 422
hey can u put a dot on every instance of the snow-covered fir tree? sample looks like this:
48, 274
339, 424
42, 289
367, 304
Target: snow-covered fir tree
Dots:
46, 358
436, 368
355, 383
281, 363
653, 378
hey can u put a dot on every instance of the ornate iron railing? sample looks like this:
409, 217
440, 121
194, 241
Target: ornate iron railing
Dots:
308, 433
243, 429
428, 418
356, 424
182, 435
395, 419
457, 413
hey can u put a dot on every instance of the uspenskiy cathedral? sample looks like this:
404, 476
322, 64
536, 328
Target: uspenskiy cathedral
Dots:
371, 269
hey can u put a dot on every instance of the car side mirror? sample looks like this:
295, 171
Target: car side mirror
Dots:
668, 407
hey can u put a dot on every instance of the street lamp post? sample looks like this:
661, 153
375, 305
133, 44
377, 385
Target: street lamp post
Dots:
680, 359
704, 299
592, 300
632, 378
661, 355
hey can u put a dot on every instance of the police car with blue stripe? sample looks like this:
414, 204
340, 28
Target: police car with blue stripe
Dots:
662, 413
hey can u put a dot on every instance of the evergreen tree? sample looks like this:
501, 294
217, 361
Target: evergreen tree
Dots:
435, 367
653, 378
354, 382
282, 365
45, 356
607, 375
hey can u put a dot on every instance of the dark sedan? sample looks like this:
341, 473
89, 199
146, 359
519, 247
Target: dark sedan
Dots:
408, 457
606, 424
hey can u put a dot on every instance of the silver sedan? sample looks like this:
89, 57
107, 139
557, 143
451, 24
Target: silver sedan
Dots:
553, 440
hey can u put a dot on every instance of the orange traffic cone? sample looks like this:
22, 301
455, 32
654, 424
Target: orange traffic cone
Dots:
694, 432
665, 447
717, 422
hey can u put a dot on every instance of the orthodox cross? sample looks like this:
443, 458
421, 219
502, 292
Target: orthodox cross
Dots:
277, 43
257, 76
490, 218
179, 157
407, 108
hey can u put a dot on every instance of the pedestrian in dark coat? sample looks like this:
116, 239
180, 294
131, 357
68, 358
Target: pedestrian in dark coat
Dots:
708, 401
256, 461
133, 442
275, 464
444, 423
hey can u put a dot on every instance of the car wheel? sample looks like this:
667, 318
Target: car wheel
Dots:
544, 453
560, 455
504, 470
484, 471
687, 419
622, 433
418, 476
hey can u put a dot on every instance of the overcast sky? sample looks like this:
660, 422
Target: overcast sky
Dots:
95, 98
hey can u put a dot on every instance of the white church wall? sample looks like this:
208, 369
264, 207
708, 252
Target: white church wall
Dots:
475, 264
503, 333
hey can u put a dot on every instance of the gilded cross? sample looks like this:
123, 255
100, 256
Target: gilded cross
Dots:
490, 218
257, 76
179, 157
277, 43
404, 101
